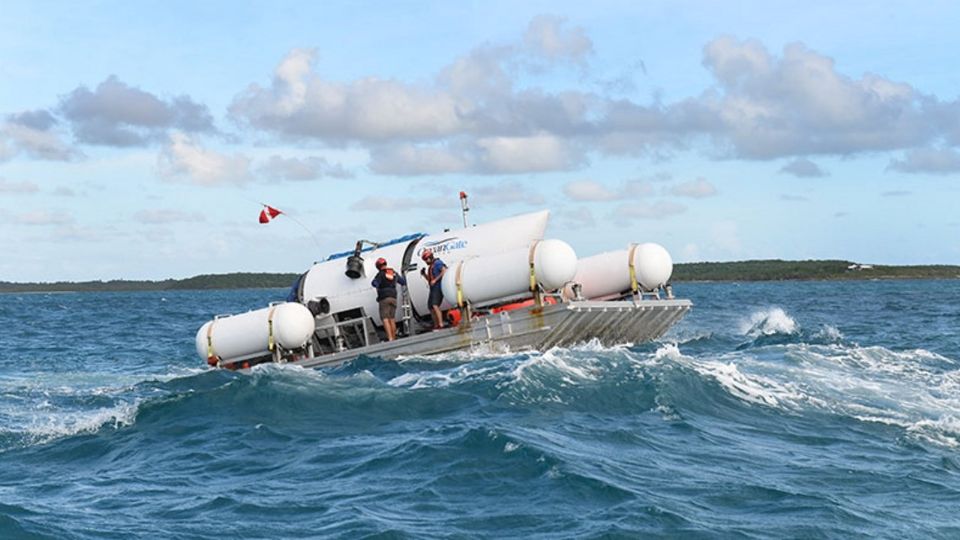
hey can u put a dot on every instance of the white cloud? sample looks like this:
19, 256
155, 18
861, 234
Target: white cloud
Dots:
43, 217
488, 155
547, 35
537, 153
504, 193
183, 160
627, 213
696, 189
928, 160
412, 160
481, 114
164, 216
24, 133
7, 186
309, 168
116, 114
590, 190
574, 219
299, 103
800, 104
803, 168
378, 203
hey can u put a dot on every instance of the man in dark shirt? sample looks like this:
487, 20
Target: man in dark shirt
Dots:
434, 274
386, 284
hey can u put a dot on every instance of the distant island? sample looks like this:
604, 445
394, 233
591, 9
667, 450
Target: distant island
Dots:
765, 270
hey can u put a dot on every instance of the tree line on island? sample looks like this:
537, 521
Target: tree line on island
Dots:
765, 270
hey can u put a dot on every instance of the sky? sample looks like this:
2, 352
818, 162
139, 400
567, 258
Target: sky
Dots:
138, 140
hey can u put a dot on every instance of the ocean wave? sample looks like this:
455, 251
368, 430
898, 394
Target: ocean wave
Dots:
768, 322
915, 389
910, 389
45, 428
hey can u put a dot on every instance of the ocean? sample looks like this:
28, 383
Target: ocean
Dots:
773, 410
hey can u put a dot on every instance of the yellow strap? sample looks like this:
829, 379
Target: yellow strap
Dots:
210, 338
533, 272
459, 282
270, 326
634, 286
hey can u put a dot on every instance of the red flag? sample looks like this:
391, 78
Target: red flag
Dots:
268, 213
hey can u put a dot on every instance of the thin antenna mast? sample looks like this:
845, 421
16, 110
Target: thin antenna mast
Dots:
463, 207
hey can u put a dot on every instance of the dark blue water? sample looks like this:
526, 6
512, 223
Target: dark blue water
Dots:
772, 410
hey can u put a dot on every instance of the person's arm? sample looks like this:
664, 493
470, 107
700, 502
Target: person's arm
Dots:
376, 281
443, 270
401, 280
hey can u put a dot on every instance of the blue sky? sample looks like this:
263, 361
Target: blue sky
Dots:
136, 139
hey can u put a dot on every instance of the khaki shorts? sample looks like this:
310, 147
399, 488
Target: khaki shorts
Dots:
388, 308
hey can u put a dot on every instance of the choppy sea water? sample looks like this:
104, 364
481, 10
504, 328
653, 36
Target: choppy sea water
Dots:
773, 410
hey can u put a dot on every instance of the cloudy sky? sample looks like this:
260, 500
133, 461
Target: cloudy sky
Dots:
137, 139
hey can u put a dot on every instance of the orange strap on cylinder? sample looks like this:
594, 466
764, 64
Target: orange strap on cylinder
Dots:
459, 282
533, 272
634, 286
210, 338
270, 328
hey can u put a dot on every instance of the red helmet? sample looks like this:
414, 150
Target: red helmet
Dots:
381, 262
426, 254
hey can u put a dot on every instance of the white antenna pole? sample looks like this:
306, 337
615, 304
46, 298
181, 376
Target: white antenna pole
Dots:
463, 207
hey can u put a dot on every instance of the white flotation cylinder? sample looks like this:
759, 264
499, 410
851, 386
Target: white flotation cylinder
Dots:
609, 274
255, 333
484, 280
327, 278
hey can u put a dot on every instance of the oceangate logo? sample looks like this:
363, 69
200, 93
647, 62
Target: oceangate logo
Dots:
439, 247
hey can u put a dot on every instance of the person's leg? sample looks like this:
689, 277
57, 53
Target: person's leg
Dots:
388, 324
434, 301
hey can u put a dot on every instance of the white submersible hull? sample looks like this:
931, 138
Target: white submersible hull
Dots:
505, 288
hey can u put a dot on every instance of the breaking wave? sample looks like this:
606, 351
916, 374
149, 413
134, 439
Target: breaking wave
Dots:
768, 322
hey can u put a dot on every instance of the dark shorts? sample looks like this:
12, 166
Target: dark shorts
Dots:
388, 308
436, 297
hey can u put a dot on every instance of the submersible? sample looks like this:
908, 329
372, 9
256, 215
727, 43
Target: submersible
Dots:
506, 287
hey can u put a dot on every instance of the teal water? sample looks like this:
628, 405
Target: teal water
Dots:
802, 410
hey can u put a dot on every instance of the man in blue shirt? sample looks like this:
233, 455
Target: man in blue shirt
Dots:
434, 274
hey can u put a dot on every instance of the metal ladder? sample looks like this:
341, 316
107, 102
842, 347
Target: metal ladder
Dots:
406, 311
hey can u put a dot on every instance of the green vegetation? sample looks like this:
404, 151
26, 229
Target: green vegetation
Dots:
775, 270
769, 270
206, 281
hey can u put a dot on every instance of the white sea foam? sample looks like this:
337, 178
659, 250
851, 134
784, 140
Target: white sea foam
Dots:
44, 428
444, 378
46, 406
486, 351
667, 351
908, 389
570, 367
829, 333
752, 388
767, 322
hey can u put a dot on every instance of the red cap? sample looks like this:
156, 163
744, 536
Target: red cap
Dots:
463, 194
381, 262
426, 254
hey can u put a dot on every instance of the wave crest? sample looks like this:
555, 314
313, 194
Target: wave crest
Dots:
768, 322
